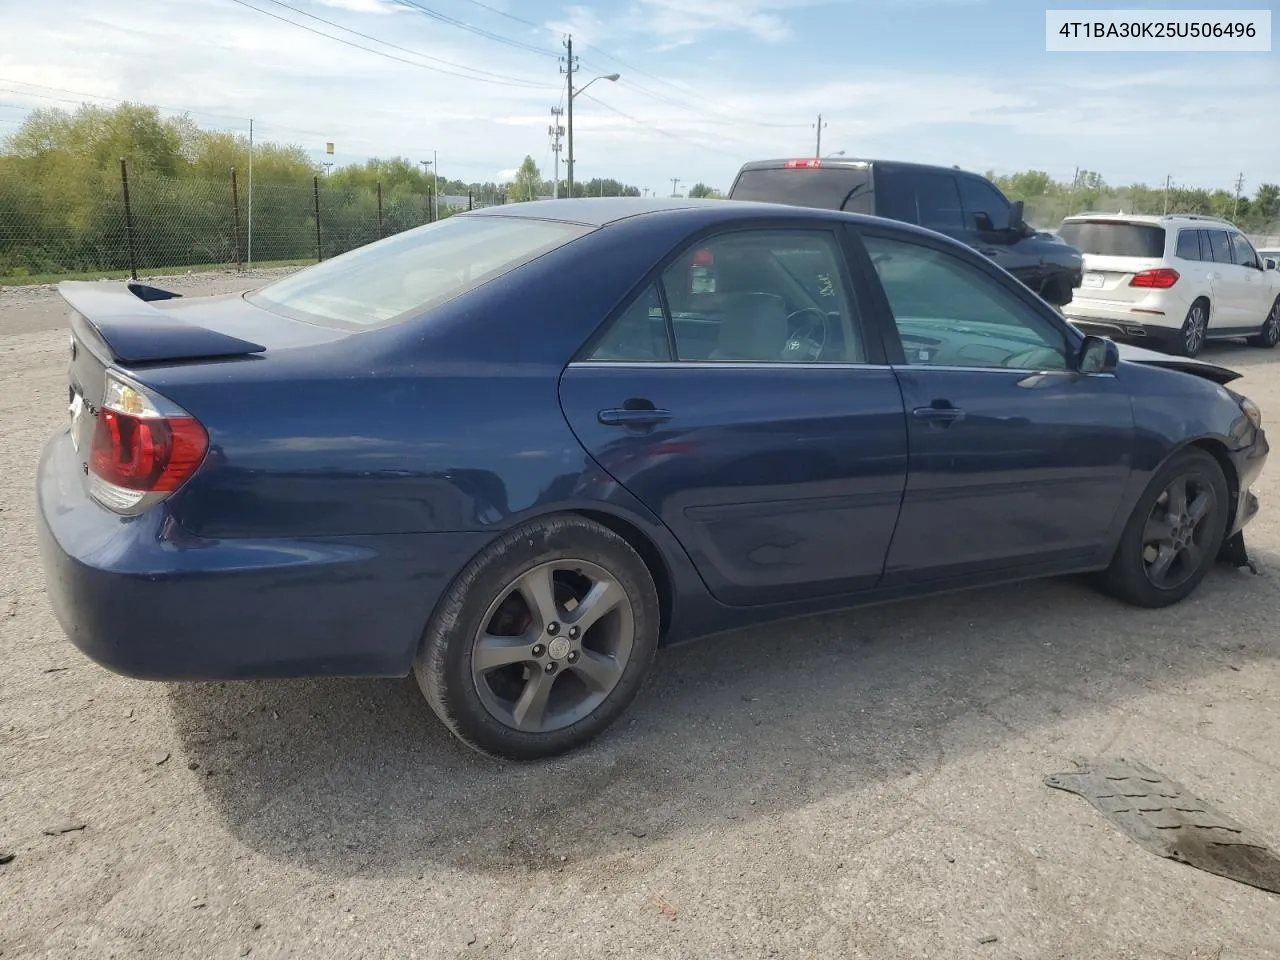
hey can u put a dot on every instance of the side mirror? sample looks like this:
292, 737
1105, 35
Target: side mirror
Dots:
1269, 264
1016, 215
1098, 355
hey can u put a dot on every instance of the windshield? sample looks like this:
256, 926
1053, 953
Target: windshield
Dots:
829, 188
1111, 238
405, 275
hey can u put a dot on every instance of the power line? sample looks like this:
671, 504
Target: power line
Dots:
99, 96
384, 54
685, 93
656, 129
417, 53
509, 16
478, 31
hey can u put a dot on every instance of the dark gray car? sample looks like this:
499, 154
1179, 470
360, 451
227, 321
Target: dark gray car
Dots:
951, 201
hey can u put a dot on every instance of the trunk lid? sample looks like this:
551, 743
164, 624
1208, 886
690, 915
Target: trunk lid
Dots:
132, 326
1114, 252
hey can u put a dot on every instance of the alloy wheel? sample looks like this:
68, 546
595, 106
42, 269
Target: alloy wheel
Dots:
1180, 523
1193, 333
553, 646
1271, 329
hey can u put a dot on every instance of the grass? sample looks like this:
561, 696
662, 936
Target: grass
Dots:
39, 278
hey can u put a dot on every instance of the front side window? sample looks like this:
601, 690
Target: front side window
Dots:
949, 313
769, 296
405, 275
1244, 252
980, 197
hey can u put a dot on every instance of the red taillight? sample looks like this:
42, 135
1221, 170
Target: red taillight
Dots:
145, 454
1161, 278
143, 447
801, 164
704, 258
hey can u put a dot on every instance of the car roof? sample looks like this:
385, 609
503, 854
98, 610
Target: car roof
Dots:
835, 163
1154, 219
604, 211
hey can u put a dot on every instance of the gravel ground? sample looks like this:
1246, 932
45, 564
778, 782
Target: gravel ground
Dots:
867, 784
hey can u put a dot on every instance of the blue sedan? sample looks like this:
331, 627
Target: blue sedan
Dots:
516, 451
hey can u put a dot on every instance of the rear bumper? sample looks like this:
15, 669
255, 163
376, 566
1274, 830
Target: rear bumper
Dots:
1120, 321
144, 599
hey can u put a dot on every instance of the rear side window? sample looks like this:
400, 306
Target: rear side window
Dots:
980, 197
639, 333
1188, 245
1114, 238
402, 276
926, 198
1219, 246
824, 188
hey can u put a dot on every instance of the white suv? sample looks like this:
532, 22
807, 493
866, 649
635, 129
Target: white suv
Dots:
1172, 282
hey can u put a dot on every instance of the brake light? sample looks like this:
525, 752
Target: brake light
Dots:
801, 164
1161, 278
144, 448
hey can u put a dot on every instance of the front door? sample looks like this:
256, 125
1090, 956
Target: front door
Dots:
1017, 462
734, 397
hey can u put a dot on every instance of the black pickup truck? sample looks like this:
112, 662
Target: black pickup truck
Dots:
951, 201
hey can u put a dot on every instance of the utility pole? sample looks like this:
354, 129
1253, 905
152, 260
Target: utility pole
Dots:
568, 66
1235, 209
817, 152
1168, 182
1071, 197
327, 168
674, 182
556, 131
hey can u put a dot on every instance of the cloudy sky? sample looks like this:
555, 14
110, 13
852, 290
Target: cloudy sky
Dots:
706, 84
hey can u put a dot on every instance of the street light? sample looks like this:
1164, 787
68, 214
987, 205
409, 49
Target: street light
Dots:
611, 77
435, 185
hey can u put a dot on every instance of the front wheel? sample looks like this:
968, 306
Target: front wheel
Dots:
542, 641
1173, 535
1269, 335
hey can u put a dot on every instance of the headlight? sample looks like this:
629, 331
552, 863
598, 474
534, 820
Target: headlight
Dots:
1252, 412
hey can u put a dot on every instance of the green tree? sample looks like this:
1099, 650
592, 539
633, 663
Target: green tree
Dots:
700, 191
528, 181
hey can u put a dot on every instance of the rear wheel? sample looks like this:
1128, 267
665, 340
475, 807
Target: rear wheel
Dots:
1194, 328
1269, 335
1173, 535
543, 640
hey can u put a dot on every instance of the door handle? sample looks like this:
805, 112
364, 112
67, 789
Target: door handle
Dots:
624, 417
942, 416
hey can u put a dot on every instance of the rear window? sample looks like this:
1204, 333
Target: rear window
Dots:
402, 276
826, 188
1107, 238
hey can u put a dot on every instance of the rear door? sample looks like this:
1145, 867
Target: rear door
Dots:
1018, 463
740, 397
1232, 295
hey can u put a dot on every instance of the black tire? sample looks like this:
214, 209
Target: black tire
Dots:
1129, 577
1194, 329
1269, 335
471, 704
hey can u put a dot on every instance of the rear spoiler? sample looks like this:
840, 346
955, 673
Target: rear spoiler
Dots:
133, 331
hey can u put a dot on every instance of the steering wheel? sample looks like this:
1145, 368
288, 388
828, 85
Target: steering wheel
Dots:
1037, 358
803, 342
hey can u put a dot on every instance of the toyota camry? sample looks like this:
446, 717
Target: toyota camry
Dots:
517, 451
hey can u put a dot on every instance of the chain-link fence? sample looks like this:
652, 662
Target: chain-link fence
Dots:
141, 223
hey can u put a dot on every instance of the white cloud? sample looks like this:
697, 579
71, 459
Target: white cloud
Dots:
363, 6
222, 62
677, 21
